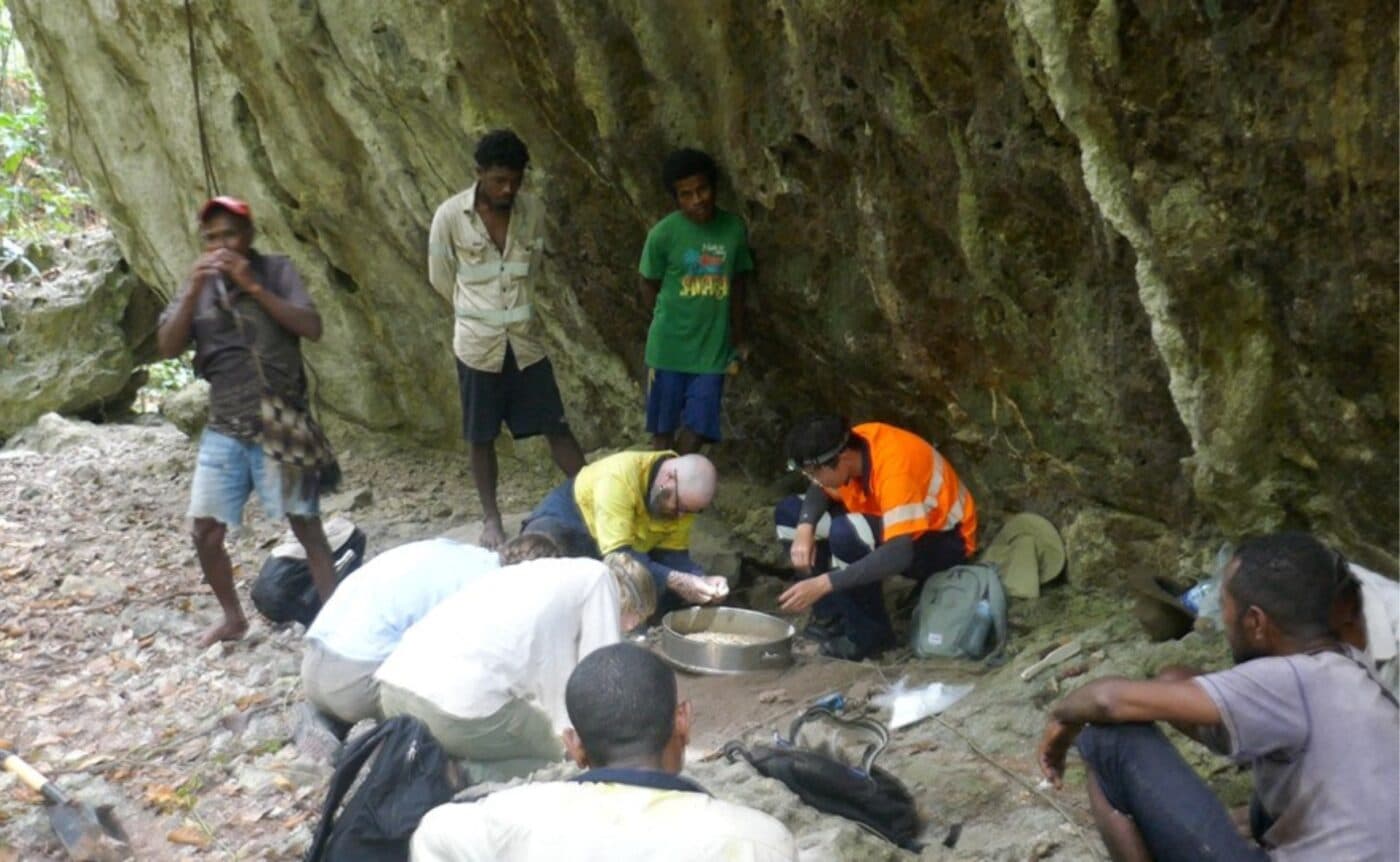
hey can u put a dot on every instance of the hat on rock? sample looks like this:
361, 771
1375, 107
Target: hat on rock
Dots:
1027, 552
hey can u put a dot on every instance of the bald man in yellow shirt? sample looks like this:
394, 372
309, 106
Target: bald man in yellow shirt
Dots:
641, 503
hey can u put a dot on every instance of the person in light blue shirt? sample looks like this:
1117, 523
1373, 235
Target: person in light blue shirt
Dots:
370, 610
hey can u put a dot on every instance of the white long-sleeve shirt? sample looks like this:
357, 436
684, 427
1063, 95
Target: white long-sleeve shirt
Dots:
517, 632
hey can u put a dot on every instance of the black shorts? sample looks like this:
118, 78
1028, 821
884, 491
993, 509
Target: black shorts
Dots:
527, 400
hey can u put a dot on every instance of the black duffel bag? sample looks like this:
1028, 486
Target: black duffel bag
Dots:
283, 591
859, 791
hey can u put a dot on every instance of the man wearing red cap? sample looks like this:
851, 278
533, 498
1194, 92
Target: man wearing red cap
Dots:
242, 309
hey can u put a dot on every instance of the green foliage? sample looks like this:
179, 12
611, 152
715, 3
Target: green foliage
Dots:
164, 377
169, 375
39, 194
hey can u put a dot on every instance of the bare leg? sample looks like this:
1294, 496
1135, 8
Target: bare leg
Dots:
484, 470
309, 532
687, 441
218, 574
1120, 834
662, 442
568, 455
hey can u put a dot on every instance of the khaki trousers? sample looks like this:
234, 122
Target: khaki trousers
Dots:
340, 687
512, 742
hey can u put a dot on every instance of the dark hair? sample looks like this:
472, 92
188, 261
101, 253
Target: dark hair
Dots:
528, 546
622, 703
817, 439
1293, 578
687, 163
502, 148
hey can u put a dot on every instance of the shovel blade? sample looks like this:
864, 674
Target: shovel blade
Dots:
89, 834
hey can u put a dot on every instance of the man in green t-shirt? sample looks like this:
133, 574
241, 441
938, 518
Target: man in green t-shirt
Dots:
695, 266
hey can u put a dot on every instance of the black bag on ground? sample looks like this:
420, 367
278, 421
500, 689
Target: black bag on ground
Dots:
864, 793
283, 591
409, 775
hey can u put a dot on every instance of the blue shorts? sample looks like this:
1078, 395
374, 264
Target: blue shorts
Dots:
676, 399
226, 473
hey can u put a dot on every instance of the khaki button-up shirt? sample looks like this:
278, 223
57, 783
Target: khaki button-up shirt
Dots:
489, 289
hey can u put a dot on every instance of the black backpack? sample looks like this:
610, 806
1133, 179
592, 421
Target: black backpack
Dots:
409, 775
865, 793
283, 591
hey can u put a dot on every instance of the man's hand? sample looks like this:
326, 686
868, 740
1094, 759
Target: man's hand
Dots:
238, 270
738, 358
230, 266
697, 589
805, 593
717, 586
234, 267
1054, 745
804, 548
205, 270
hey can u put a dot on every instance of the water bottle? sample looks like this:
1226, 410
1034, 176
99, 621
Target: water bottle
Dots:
1203, 600
1191, 599
1209, 601
974, 643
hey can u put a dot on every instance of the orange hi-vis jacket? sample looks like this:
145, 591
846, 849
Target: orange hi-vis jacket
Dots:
909, 486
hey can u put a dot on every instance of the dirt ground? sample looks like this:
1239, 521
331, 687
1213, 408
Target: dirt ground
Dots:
105, 691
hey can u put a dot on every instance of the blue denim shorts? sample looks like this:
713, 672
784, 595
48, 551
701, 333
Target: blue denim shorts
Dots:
676, 399
228, 470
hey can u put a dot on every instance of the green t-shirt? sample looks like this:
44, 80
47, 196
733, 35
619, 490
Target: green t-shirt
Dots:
695, 264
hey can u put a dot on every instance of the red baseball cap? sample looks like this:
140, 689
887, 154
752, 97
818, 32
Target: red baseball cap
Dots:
224, 202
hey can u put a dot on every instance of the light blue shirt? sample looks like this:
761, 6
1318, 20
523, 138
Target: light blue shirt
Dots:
372, 608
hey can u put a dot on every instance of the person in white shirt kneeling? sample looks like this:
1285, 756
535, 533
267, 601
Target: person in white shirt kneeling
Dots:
485, 670
629, 732
367, 615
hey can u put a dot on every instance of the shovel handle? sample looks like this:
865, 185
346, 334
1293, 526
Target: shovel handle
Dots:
32, 777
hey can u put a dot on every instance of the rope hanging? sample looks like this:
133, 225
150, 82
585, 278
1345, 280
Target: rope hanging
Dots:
211, 180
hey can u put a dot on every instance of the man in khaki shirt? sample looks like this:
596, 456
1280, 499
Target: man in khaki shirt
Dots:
483, 256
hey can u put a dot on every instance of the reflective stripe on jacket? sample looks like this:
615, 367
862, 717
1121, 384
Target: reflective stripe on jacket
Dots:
910, 486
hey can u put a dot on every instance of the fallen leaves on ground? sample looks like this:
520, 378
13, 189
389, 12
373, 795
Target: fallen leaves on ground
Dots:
105, 689
190, 835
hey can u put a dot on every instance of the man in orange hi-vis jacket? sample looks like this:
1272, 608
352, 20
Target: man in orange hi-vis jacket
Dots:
882, 501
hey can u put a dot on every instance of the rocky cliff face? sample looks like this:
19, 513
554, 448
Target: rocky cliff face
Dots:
75, 327
1139, 254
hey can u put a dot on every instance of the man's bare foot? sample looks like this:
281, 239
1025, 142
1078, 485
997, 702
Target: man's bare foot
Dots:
228, 630
493, 535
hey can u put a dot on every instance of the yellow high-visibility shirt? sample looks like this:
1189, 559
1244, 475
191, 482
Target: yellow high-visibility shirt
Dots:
611, 494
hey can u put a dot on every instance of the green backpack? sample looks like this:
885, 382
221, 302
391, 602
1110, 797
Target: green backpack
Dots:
961, 614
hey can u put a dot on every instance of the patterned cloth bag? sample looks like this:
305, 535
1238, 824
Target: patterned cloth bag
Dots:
290, 436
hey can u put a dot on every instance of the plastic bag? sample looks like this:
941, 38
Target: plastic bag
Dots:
908, 705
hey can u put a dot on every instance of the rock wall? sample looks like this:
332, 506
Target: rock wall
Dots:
1141, 254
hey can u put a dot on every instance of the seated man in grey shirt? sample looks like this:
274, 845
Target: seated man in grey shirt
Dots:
1306, 712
